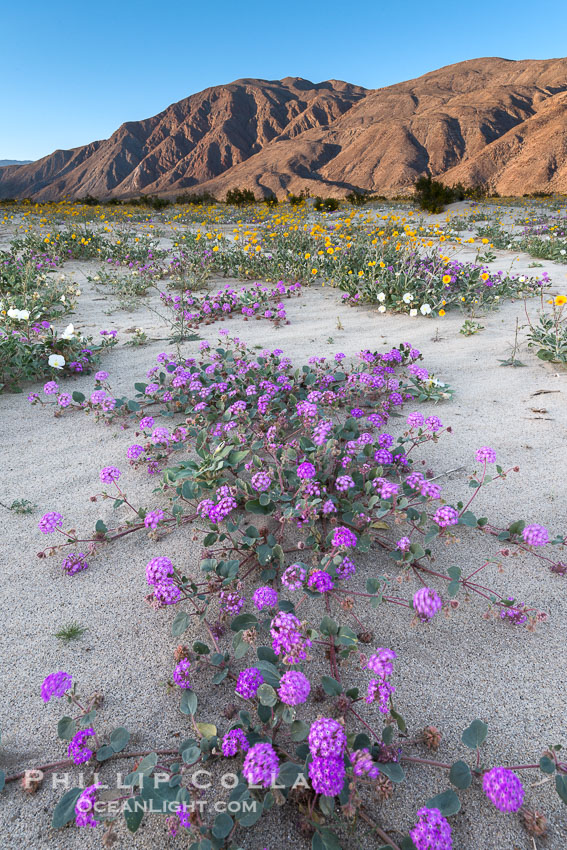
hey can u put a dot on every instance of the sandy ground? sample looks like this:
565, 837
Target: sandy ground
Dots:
448, 673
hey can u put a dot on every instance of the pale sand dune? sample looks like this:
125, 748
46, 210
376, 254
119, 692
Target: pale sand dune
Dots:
448, 673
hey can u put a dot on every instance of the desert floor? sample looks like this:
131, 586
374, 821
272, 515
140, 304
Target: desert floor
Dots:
449, 672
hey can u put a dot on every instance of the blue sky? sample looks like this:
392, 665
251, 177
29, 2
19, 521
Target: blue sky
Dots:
72, 72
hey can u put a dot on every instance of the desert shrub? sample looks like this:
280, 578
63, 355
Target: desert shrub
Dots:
296, 200
199, 198
432, 195
549, 334
270, 201
240, 197
35, 350
325, 204
357, 199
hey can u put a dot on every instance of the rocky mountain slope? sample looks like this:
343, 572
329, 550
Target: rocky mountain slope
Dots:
495, 122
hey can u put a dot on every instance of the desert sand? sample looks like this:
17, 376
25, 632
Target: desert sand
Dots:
449, 672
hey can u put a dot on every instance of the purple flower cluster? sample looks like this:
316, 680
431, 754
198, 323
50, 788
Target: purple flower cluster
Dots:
535, 535
426, 603
261, 765
327, 775
320, 581
515, 614
159, 570
344, 483
49, 522
230, 602
345, 569
294, 576
327, 738
84, 807
74, 563
152, 518
343, 536
306, 470
294, 688
327, 744
233, 742
485, 455
381, 662
446, 516
56, 685
503, 789
261, 481
77, 750
432, 831
287, 638
363, 764
265, 597
249, 681
109, 474
134, 452
181, 673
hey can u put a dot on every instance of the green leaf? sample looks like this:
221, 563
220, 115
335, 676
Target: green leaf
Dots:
2, 779
104, 753
243, 621
201, 648
328, 626
460, 774
388, 734
299, 730
267, 695
253, 506
78, 397
561, 786
220, 676
327, 805
393, 771
399, 720
65, 808
475, 734
100, 527
407, 844
66, 728
222, 825
133, 816
448, 803
119, 739
331, 686
188, 704
453, 588
547, 765
289, 771
191, 755
454, 572
180, 624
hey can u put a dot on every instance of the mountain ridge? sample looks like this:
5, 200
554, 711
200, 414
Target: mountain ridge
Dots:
496, 122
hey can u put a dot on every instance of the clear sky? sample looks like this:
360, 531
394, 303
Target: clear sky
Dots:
72, 72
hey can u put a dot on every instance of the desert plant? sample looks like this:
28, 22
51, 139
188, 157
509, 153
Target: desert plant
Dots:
240, 197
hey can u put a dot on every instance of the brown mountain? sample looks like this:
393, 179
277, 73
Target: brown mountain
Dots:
495, 122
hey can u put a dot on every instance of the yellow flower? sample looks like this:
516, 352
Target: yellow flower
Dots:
485, 276
446, 278
307, 256
313, 271
561, 299
441, 312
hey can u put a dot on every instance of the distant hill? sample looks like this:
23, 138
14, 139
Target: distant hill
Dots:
4, 162
495, 122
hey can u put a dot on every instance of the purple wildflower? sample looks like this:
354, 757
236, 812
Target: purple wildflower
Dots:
49, 522
535, 535
233, 742
485, 455
327, 775
446, 516
74, 563
294, 687
249, 681
320, 581
343, 536
265, 597
327, 738
261, 765
181, 673
109, 474
426, 603
432, 831
503, 789
77, 750
56, 685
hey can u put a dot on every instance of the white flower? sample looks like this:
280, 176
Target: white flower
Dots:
381, 296
381, 309
56, 360
63, 299
407, 297
18, 315
425, 309
68, 333
563, 252
77, 292
413, 312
